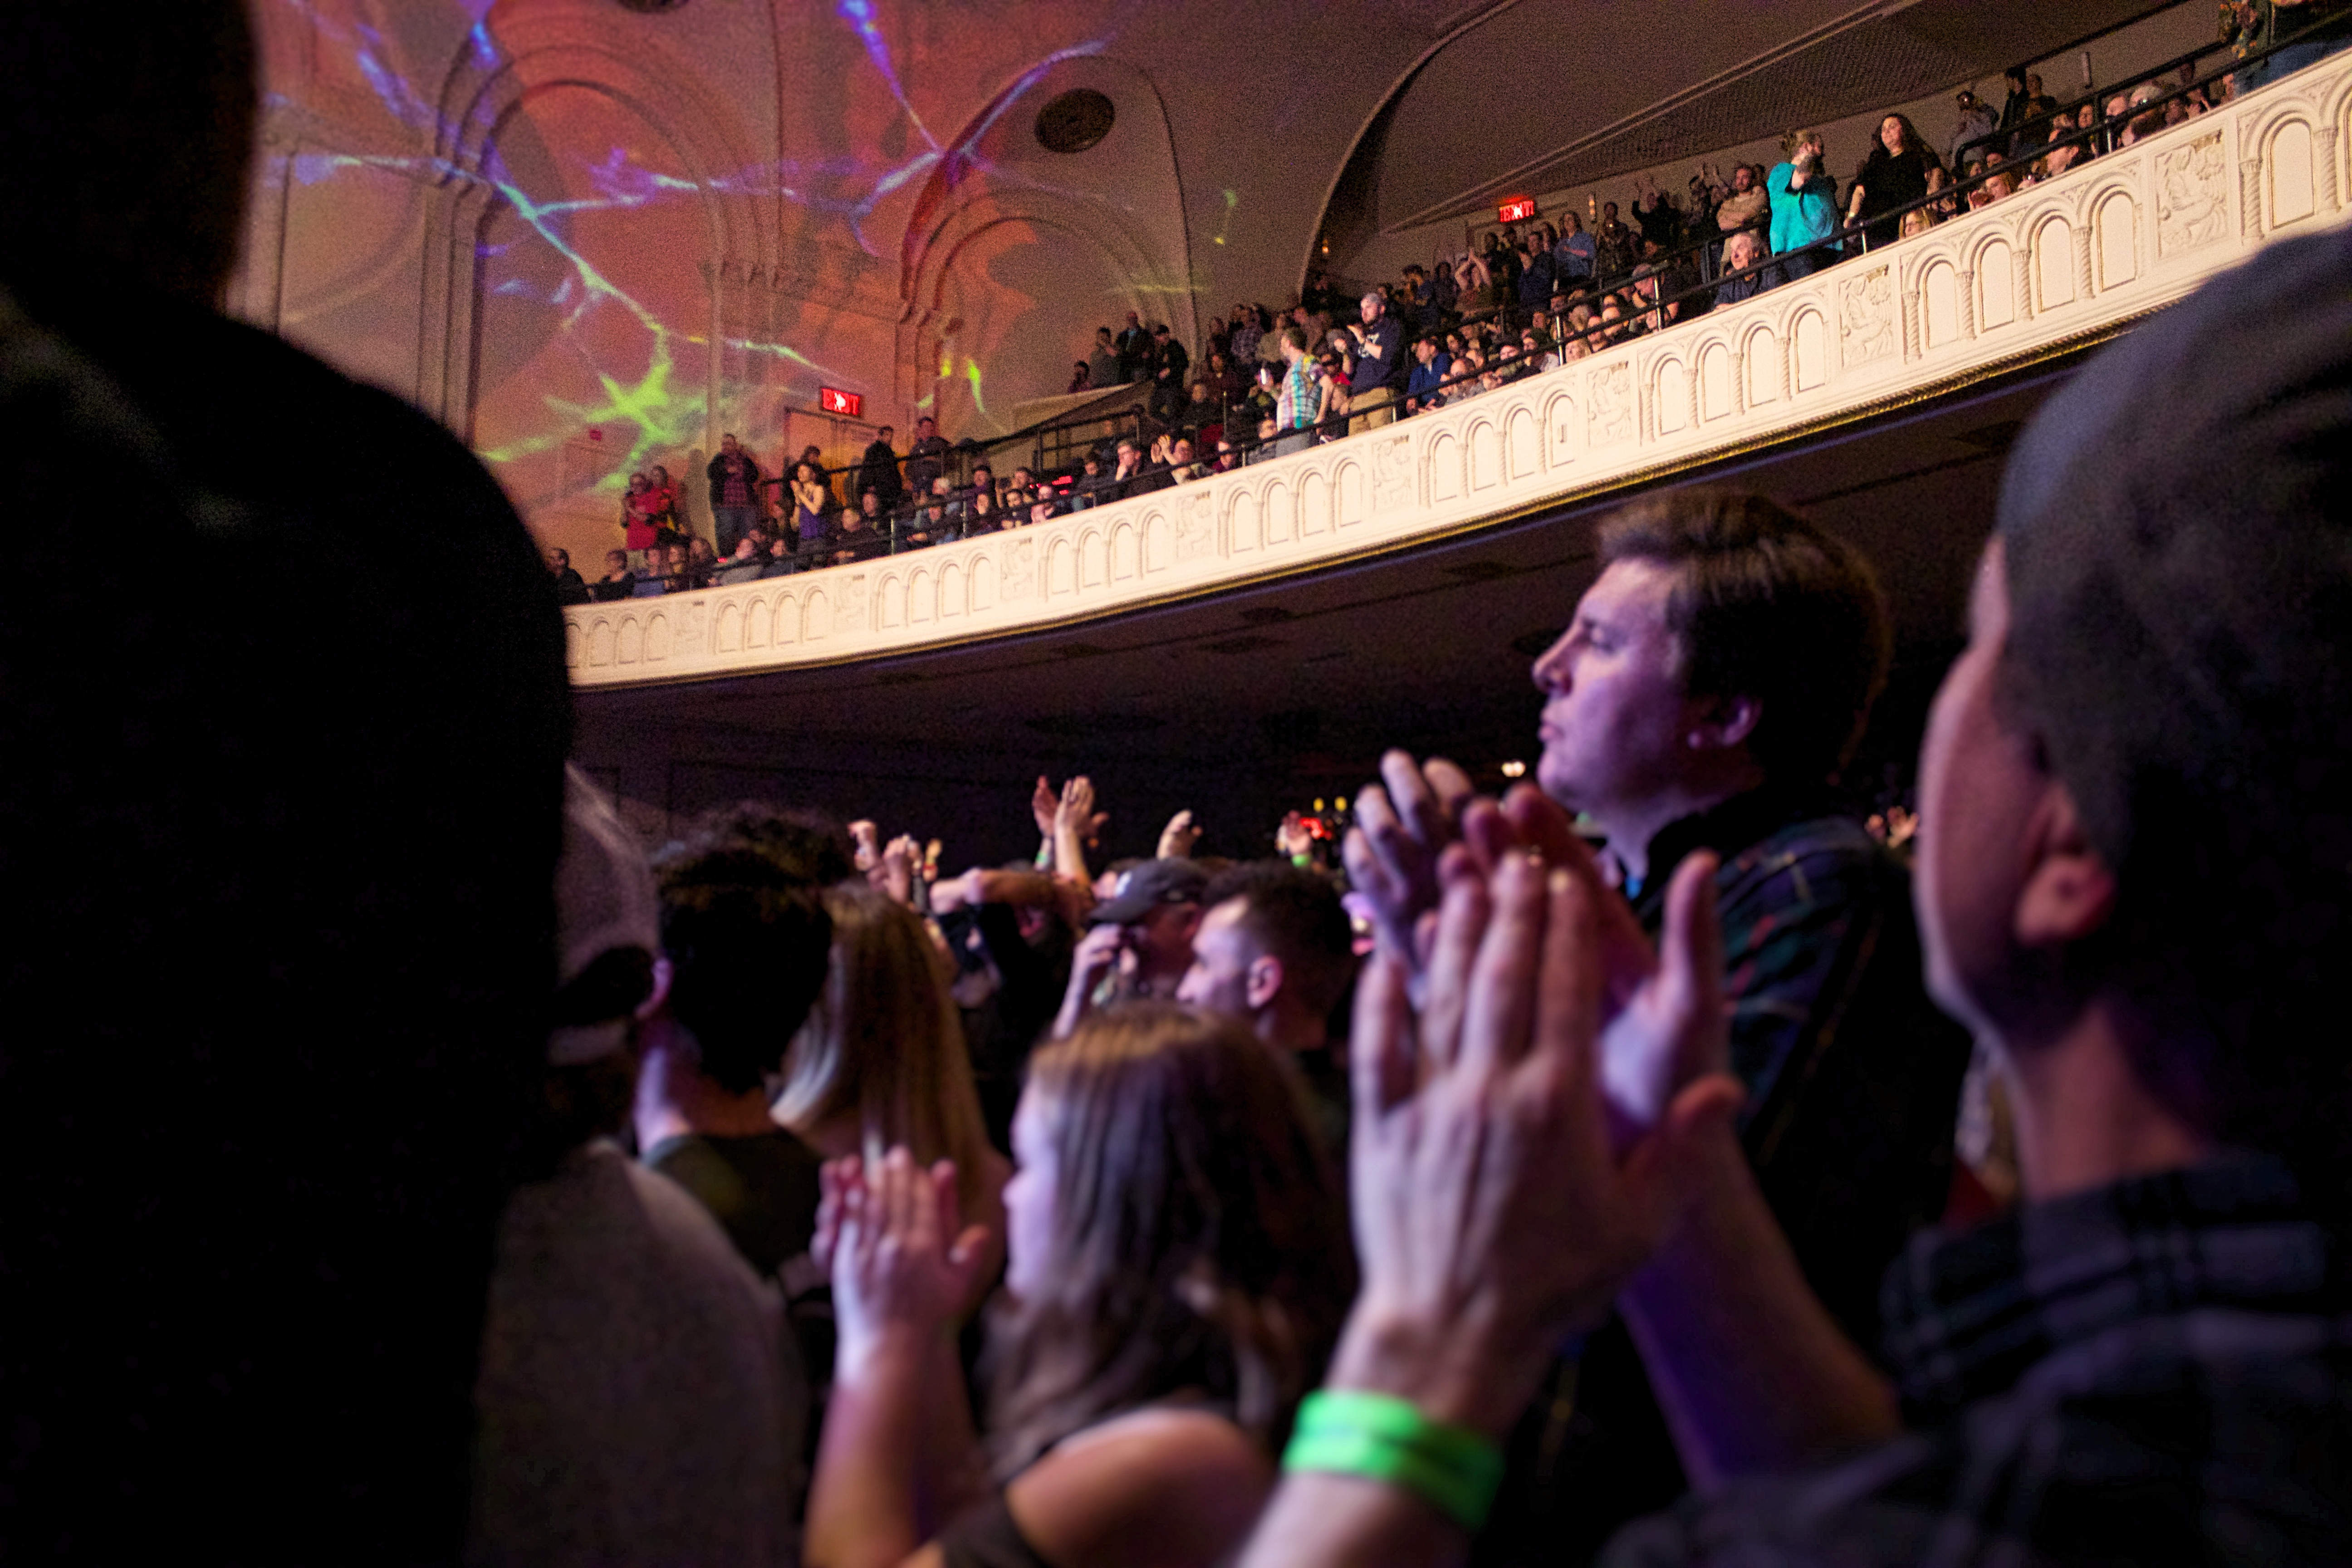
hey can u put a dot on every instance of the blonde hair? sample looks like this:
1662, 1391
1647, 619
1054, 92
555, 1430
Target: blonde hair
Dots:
884, 1044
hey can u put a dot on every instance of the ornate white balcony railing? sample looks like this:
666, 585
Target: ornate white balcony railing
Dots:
2050, 267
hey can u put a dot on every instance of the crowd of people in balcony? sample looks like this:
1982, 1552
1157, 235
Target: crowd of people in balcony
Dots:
1528, 297
419, 1169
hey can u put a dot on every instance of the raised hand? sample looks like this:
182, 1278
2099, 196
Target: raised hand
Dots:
866, 842
1176, 840
900, 1261
1076, 810
1042, 805
1494, 1208
901, 858
1403, 826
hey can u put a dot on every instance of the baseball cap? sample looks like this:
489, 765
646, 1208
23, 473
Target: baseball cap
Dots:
1149, 886
604, 899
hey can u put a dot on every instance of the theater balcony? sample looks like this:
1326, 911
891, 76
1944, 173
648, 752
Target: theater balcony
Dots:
1985, 300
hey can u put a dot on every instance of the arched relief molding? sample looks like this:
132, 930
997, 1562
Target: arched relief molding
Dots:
963, 197
2051, 247
1560, 429
1486, 450
1522, 444
973, 217
922, 596
1242, 529
1280, 513
1809, 351
2291, 172
2114, 228
540, 48
1351, 503
1444, 468
1940, 293
1763, 355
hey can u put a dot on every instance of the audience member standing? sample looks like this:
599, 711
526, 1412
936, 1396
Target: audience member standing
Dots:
1134, 346
927, 458
638, 1400
878, 471
1714, 676
285, 843
1893, 175
1379, 371
734, 476
1804, 205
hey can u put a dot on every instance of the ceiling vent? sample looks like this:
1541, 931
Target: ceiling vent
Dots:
1075, 121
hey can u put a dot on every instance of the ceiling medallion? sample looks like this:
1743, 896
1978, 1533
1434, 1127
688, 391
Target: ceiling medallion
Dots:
1075, 121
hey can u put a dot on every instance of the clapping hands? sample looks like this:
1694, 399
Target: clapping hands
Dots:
1499, 1197
901, 1265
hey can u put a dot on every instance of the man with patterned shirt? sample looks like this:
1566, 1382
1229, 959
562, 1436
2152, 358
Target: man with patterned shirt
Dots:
2135, 844
1294, 407
1714, 676
734, 477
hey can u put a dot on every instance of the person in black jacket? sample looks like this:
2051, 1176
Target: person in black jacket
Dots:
1894, 174
1170, 374
878, 472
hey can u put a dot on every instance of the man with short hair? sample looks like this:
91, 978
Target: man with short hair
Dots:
1134, 346
747, 943
2137, 814
1275, 949
1972, 131
606, 1432
1741, 251
1102, 362
927, 459
618, 582
734, 476
878, 471
1295, 406
1431, 365
569, 589
1715, 675
1170, 368
1380, 366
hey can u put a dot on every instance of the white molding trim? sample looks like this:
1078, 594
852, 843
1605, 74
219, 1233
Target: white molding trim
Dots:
2059, 264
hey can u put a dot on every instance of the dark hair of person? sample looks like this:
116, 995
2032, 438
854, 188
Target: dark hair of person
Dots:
747, 939
807, 844
1295, 916
1200, 1243
1767, 606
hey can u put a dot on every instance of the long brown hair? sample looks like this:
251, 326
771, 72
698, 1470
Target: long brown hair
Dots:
1199, 1243
884, 1043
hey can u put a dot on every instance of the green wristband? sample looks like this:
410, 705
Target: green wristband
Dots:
1453, 1470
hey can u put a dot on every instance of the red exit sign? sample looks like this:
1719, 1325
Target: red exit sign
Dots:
1517, 211
833, 400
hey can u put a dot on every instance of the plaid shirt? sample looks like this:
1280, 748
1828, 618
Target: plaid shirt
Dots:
2156, 1372
1853, 1075
1854, 1081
